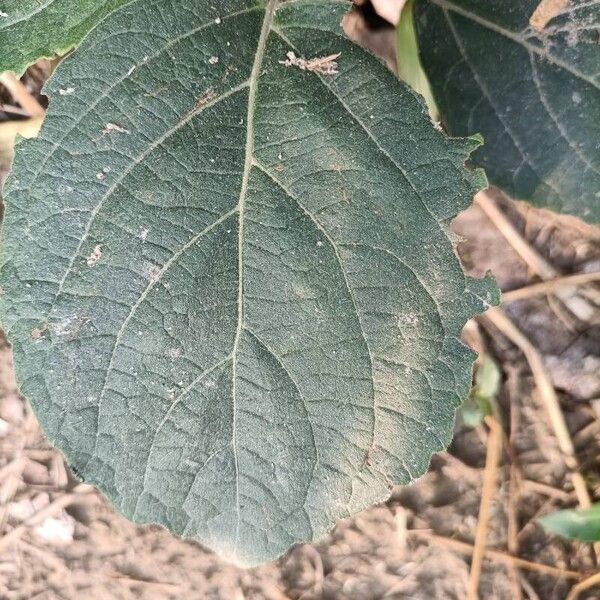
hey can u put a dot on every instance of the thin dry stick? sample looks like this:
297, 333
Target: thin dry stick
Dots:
586, 584
546, 490
14, 110
12, 467
537, 263
51, 509
528, 588
21, 94
550, 286
549, 398
502, 557
512, 504
135, 581
494, 448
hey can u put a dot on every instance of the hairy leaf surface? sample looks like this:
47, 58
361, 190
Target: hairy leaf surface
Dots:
534, 95
31, 29
229, 280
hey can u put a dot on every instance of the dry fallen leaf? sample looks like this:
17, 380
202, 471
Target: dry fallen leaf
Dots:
545, 12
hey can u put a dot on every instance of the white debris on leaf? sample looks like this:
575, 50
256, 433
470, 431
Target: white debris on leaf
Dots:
110, 127
3, 15
102, 175
95, 256
66, 91
65, 326
325, 65
213, 60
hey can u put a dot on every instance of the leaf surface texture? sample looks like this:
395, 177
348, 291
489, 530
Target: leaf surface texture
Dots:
230, 283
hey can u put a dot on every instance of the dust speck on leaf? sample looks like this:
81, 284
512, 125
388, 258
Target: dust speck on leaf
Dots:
152, 272
95, 256
201, 102
66, 91
407, 319
213, 60
38, 332
325, 65
205, 98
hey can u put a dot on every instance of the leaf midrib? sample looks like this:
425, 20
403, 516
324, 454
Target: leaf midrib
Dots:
248, 163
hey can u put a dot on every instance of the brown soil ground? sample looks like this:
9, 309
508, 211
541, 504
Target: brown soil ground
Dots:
62, 541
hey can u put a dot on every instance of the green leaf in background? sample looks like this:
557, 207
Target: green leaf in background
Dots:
484, 393
409, 64
229, 276
534, 95
31, 29
581, 525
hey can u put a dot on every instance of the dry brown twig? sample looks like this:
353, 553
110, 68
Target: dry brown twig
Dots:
549, 286
578, 306
502, 557
21, 94
514, 481
584, 585
547, 394
545, 388
490, 476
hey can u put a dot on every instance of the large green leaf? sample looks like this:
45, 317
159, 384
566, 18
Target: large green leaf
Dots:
534, 95
581, 525
30, 29
230, 283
